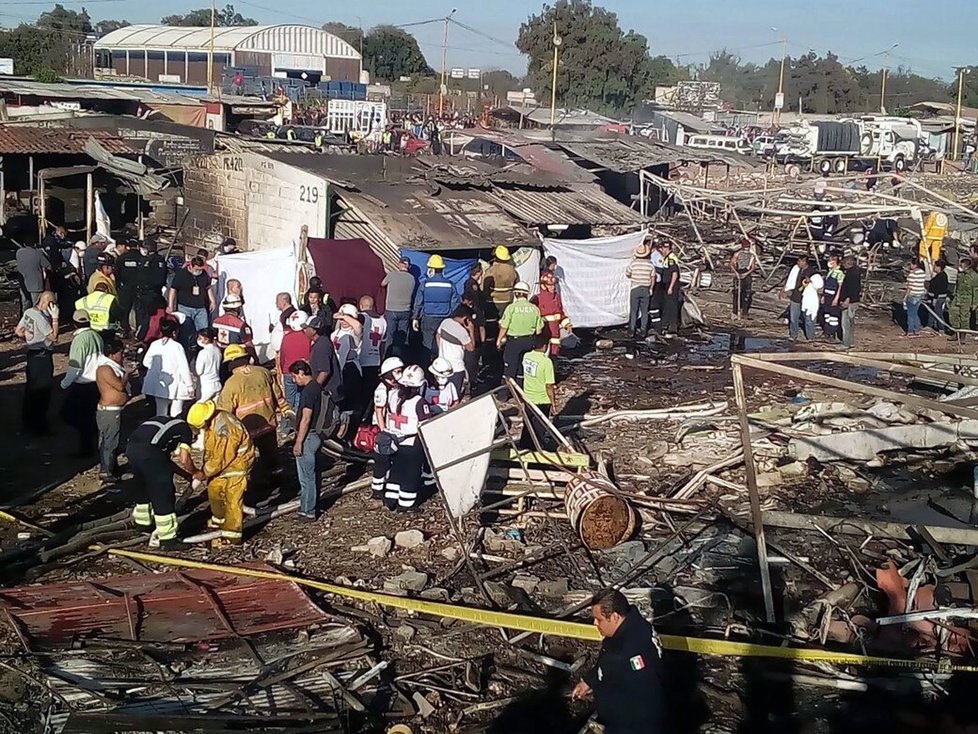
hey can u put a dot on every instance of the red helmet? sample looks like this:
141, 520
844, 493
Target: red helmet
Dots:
547, 278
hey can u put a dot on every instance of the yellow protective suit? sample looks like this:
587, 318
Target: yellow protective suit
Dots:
253, 395
228, 457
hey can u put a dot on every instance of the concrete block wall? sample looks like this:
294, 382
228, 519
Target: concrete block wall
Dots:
262, 203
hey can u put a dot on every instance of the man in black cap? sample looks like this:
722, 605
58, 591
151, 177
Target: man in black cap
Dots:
627, 682
128, 259
150, 281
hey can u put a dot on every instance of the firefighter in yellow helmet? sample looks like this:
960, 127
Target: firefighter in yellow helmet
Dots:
497, 286
229, 455
435, 300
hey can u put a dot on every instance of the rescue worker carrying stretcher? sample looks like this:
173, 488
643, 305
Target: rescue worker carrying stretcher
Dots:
229, 456
157, 449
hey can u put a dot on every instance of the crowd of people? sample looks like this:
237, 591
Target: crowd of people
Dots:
333, 370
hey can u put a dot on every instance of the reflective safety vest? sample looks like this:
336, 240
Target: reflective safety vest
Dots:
98, 305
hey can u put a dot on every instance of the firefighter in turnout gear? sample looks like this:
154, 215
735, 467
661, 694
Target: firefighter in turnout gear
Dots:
229, 455
552, 310
406, 409
157, 449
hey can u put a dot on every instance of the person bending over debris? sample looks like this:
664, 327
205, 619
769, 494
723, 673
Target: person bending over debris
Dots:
157, 449
229, 456
252, 395
627, 683
521, 322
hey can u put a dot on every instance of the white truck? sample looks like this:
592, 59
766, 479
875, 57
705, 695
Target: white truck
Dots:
889, 143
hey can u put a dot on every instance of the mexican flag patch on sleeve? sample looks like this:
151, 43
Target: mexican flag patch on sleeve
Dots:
636, 663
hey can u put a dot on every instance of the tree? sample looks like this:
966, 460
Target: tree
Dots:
601, 67
49, 46
225, 17
349, 33
390, 53
107, 26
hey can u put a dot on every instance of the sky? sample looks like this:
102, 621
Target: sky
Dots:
933, 37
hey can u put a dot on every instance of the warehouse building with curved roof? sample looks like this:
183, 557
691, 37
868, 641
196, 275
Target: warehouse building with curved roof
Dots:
179, 54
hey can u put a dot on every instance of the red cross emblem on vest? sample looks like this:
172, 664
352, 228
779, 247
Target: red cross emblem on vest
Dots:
375, 337
398, 419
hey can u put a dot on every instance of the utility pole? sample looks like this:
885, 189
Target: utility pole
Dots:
779, 100
210, 52
885, 54
962, 70
553, 88
444, 66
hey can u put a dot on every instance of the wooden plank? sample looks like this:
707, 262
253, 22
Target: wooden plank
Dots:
855, 526
559, 458
755, 499
849, 385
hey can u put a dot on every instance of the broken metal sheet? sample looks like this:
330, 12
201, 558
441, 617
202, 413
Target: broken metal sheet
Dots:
175, 607
865, 445
136, 176
466, 431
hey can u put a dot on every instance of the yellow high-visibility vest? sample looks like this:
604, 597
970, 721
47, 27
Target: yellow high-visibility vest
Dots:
98, 305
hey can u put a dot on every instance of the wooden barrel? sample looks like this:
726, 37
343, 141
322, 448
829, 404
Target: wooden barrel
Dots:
598, 513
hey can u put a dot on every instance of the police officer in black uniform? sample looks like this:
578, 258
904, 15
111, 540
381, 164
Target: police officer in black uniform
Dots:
149, 284
628, 681
127, 265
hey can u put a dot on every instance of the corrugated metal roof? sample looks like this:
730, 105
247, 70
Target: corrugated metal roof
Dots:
579, 205
630, 153
283, 38
171, 607
20, 139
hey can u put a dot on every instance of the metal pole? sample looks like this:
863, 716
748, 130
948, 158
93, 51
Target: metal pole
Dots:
89, 206
444, 70
784, 55
553, 86
210, 51
883, 91
957, 116
755, 499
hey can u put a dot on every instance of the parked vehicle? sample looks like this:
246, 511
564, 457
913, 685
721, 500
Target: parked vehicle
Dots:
890, 143
720, 142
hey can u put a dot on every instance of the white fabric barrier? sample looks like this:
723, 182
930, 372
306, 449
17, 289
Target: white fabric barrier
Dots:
527, 261
263, 276
594, 288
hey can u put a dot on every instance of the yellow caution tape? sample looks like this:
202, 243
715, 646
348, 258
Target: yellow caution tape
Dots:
558, 627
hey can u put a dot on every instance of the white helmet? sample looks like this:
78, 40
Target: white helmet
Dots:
441, 368
232, 300
348, 309
298, 321
390, 364
412, 376
521, 287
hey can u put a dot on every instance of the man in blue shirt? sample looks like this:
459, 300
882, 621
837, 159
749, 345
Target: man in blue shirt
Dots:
435, 301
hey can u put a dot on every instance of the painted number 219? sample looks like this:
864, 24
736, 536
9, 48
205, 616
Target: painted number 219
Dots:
309, 194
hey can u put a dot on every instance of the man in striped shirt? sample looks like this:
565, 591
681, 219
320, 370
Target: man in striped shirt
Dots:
916, 290
641, 275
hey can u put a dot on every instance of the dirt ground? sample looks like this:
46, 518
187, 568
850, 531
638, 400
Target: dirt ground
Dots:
717, 695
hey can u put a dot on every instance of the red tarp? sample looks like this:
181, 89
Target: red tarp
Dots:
349, 269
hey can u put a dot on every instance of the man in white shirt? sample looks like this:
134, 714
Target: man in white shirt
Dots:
371, 345
455, 337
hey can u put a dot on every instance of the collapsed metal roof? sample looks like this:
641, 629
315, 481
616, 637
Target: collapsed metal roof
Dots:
23, 140
624, 154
